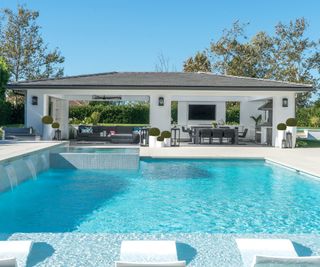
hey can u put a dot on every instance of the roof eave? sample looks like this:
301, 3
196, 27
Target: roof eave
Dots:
162, 87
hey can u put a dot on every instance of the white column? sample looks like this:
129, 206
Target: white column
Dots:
34, 113
160, 116
280, 113
61, 115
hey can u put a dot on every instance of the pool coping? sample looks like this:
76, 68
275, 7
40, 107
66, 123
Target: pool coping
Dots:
32, 151
265, 159
266, 154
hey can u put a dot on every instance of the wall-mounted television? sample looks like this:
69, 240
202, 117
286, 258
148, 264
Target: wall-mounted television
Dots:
202, 112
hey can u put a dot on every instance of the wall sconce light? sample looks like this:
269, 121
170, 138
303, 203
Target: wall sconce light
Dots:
34, 100
161, 101
285, 102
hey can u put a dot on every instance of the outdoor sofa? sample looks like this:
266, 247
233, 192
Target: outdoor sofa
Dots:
113, 134
19, 133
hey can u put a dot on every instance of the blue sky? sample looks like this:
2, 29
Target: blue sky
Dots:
127, 35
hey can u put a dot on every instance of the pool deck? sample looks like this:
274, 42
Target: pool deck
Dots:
306, 160
101, 250
11, 150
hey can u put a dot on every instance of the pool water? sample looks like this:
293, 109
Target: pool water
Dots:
166, 196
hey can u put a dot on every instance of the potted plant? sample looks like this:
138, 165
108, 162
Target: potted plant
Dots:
153, 134
47, 129
257, 119
55, 125
214, 124
159, 142
281, 127
292, 128
167, 138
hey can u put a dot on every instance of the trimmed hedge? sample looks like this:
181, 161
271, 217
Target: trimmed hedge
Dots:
291, 122
154, 131
47, 119
166, 134
131, 113
55, 125
10, 114
281, 127
309, 117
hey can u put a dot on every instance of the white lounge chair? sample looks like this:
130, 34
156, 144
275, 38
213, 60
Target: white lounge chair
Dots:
272, 253
149, 254
14, 253
9, 262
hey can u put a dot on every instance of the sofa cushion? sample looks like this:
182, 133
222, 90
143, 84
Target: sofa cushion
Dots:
124, 129
85, 129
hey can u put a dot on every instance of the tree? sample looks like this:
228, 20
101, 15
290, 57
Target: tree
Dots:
163, 64
200, 62
24, 49
287, 55
4, 78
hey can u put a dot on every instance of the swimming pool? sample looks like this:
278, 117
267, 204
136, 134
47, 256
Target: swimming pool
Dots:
166, 196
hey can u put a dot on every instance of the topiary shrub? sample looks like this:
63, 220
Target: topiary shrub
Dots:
55, 125
154, 131
47, 119
160, 138
291, 122
166, 134
281, 127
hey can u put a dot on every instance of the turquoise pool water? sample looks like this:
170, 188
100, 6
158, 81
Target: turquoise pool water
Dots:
166, 196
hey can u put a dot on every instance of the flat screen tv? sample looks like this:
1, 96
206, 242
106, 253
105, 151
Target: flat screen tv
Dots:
202, 112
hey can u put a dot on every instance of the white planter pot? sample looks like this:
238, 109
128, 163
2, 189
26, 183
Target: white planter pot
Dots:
159, 144
293, 131
167, 142
152, 141
47, 133
280, 136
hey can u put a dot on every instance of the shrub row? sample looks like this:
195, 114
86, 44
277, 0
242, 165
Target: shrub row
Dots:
10, 114
308, 117
131, 113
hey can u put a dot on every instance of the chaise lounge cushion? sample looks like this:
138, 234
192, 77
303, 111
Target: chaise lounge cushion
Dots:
264, 261
251, 247
153, 264
9, 262
149, 253
15, 249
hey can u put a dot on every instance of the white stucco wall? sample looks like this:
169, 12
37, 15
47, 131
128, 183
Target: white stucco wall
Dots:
34, 113
280, 113
160, 116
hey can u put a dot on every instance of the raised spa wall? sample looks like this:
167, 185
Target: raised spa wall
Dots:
14, 171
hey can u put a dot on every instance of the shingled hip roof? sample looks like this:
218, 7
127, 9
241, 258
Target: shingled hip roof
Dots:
166, 80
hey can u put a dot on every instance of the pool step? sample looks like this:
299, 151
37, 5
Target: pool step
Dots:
103, 161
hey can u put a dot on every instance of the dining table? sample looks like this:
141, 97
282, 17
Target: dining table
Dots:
196, 129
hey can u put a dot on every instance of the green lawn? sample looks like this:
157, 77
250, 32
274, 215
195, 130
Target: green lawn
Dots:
303, 143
